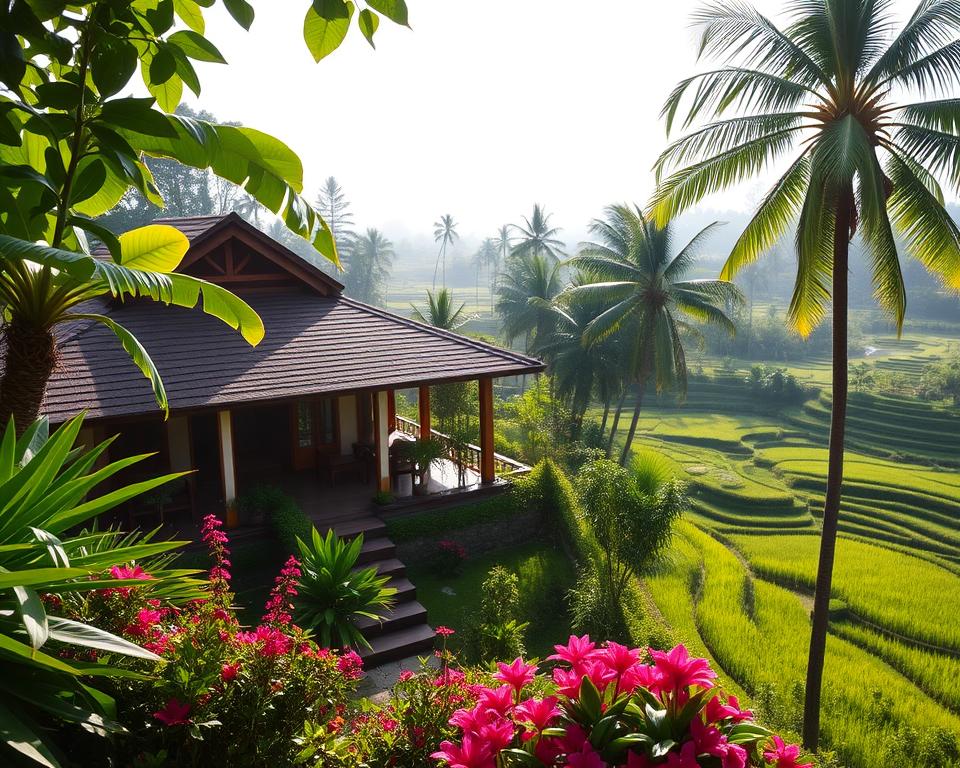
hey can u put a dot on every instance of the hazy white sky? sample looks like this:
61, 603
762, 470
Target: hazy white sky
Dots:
480, 110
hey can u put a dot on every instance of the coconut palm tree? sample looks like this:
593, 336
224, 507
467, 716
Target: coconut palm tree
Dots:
485, 258
439, 311
631, 270
832, 92
445, 233
578, 368
368, 266
536, 236
335, 208
504, 243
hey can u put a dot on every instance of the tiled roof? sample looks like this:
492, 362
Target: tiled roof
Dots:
314, 345
192, 226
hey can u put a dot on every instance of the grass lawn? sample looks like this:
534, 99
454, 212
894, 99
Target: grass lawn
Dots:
545, 575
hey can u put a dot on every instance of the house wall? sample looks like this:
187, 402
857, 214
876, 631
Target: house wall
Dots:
348, 423
178, 440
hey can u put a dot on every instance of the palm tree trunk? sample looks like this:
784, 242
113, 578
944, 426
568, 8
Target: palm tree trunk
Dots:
831, 506
606, 413
616, 421
641, 386
30, 356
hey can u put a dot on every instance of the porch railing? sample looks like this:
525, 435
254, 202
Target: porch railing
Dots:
503, 466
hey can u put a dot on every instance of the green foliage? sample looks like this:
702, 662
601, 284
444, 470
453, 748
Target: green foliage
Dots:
591, 610
776, 386
332, 593
941, 380
270, 503
439, 311
367, 266
48, 489
497, 630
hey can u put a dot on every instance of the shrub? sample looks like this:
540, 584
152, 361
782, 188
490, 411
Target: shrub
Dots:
221, 695
448, 557
497, 631
284, 514
609, 708
591, 611
332, 594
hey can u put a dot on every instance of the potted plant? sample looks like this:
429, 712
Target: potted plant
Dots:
422, 454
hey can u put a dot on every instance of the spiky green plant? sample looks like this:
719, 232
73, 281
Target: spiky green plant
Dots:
832, 92
332, 593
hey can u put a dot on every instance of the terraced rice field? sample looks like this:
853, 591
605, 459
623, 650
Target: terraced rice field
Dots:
738, 581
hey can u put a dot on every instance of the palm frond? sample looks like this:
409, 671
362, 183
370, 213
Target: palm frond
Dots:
936, 72
774, 214
815, 231
934, 23
683, 262
690, 185
746, 90
937, 151
930, 234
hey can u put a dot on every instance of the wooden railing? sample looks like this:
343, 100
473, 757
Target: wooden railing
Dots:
503, 465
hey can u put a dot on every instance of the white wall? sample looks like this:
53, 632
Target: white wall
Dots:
178, 441
348, 423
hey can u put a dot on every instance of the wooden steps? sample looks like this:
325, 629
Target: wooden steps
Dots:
404, 630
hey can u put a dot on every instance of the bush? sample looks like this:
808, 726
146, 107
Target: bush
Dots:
590, 609
284, 514
497, 631
776, 386
448, 557
220, 695
609, 708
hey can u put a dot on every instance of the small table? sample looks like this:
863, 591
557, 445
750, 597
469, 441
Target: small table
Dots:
337, 465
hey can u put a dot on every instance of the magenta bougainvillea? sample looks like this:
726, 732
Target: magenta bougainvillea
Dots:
610, 708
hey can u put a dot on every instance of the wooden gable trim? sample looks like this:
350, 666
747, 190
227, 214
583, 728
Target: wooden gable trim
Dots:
235, 228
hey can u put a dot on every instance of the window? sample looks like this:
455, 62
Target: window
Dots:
304, 424
327, 426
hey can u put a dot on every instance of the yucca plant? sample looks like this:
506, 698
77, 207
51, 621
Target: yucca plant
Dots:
332, 593
47, 490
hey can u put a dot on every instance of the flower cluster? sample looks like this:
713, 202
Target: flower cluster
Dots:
216, 541
612, 709
279, 603
449, 556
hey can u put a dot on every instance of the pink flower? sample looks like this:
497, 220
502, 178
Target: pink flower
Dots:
600, 675
350, 665
717, 710
586, 757
575, 652
618, 657
640, 676
228, 672
500, 700
679, 671
538, 712
635, 760
685, 758
736, 757
784, 755
707, 739
497, 734
473, 753
404, 676
174, 713
128, 572
568, 682
518, 674
444, 631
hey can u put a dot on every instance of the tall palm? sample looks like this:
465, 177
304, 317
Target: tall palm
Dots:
484, 259
578, 368
445, 233
644, 287
504, 242
334, 206
368, 266
536, 236
440, 312
828, 88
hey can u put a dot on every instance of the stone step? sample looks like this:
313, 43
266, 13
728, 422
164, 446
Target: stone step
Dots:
406, 590
388, 567
379, 548
407, 614
370, 527
390, 646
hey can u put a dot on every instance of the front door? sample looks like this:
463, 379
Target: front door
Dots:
315, 430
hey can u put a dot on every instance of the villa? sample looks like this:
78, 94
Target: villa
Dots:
311, 409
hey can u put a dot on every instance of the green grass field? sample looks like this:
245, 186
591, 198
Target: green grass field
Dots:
737, 583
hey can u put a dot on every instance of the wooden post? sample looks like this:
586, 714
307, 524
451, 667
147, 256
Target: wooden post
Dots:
380, 437
423, 399
228, 469
487, 472
391, 410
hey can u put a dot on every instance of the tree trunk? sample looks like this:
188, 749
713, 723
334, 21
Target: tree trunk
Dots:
606, 413
641, 386
616, 421
831, 507
29, 359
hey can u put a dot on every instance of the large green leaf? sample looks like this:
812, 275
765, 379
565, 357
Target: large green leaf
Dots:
395, 10
155, 247
326, 25
75, 633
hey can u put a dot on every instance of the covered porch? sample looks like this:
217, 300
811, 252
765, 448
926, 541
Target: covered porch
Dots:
336, 456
